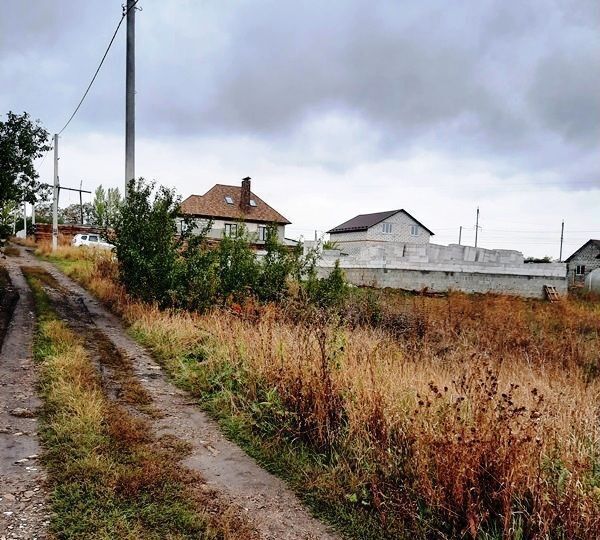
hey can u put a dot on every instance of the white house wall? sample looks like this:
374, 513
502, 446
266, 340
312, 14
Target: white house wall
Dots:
218, 228
401, 225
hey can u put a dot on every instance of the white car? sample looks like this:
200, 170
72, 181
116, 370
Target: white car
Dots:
91, 240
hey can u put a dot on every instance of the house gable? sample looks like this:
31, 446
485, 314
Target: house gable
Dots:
364, 222
401, 227
589, 248
584, 260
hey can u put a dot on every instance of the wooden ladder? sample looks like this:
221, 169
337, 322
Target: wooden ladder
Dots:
551, 293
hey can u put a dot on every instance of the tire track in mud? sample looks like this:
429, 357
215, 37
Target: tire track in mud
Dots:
272, 508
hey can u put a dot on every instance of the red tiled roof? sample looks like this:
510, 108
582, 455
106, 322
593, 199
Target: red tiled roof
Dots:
213, 205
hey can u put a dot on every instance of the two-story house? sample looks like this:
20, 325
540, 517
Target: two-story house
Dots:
396, 226
229, 206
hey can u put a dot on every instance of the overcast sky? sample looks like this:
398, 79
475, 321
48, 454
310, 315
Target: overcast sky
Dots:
333, 108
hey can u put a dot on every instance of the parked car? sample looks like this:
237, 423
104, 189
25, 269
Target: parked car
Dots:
91, 240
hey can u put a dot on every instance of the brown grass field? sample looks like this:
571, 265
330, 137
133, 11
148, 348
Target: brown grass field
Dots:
463, 416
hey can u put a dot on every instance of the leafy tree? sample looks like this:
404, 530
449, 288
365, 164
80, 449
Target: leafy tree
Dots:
7, 218
43, 212
546, 259
72, 213
105, 207
146, 243
21, 142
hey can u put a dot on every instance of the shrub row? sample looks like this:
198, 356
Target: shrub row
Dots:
183, 269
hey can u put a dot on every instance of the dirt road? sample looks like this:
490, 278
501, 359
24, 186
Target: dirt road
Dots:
271, 507
22, 494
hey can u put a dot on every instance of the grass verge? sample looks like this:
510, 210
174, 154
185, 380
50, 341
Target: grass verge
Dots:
108, 477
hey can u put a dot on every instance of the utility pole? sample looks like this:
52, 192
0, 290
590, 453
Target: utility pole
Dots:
562, 234
130, 95
80, 203
476, 226
459, 235
55, 199
25, 218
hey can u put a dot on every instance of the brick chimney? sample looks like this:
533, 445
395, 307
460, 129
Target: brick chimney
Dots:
245, 198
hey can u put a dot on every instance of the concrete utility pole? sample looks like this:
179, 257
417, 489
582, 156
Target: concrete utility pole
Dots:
55, 199
562, 234
477, 226
80, 203
459, 235
130, 95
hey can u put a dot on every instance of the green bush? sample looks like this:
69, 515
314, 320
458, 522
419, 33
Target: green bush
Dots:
146, 243
156, 264
275, 269
197, 281
238, 266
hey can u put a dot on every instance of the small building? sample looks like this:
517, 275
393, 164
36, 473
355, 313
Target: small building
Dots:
583, 261
228, 207
394, 226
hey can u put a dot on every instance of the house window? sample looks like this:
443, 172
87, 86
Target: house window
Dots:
229, 200
230, 229
580, 270
386, 228
262, 233
252, 202
414, 230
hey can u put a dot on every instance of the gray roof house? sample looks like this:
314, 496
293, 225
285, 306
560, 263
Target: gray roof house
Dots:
390, 226
583, 261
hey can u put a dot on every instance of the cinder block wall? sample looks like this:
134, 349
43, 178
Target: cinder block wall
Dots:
531, 286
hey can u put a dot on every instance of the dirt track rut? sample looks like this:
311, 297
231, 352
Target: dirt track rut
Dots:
269, 504
23, 511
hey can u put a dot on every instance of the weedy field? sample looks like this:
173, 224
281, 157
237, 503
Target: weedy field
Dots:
399, 415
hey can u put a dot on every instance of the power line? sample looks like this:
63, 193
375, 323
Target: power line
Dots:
125, 11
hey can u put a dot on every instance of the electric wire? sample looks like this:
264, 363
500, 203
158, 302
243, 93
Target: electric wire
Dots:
125, 12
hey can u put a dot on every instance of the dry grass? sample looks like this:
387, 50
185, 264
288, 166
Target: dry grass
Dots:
473, 416
12, 251
26, 242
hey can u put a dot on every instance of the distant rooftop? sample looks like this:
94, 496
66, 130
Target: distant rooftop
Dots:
362, 222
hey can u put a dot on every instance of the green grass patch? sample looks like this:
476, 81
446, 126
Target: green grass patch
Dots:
71, 267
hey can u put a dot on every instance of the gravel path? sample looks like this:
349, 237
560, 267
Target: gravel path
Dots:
22, 491
273, 509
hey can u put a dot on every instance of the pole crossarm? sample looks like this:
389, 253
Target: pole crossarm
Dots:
69, 188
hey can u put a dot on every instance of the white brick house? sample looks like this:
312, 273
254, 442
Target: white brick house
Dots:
395, 226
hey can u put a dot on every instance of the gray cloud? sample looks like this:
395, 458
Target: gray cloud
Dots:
510, 82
